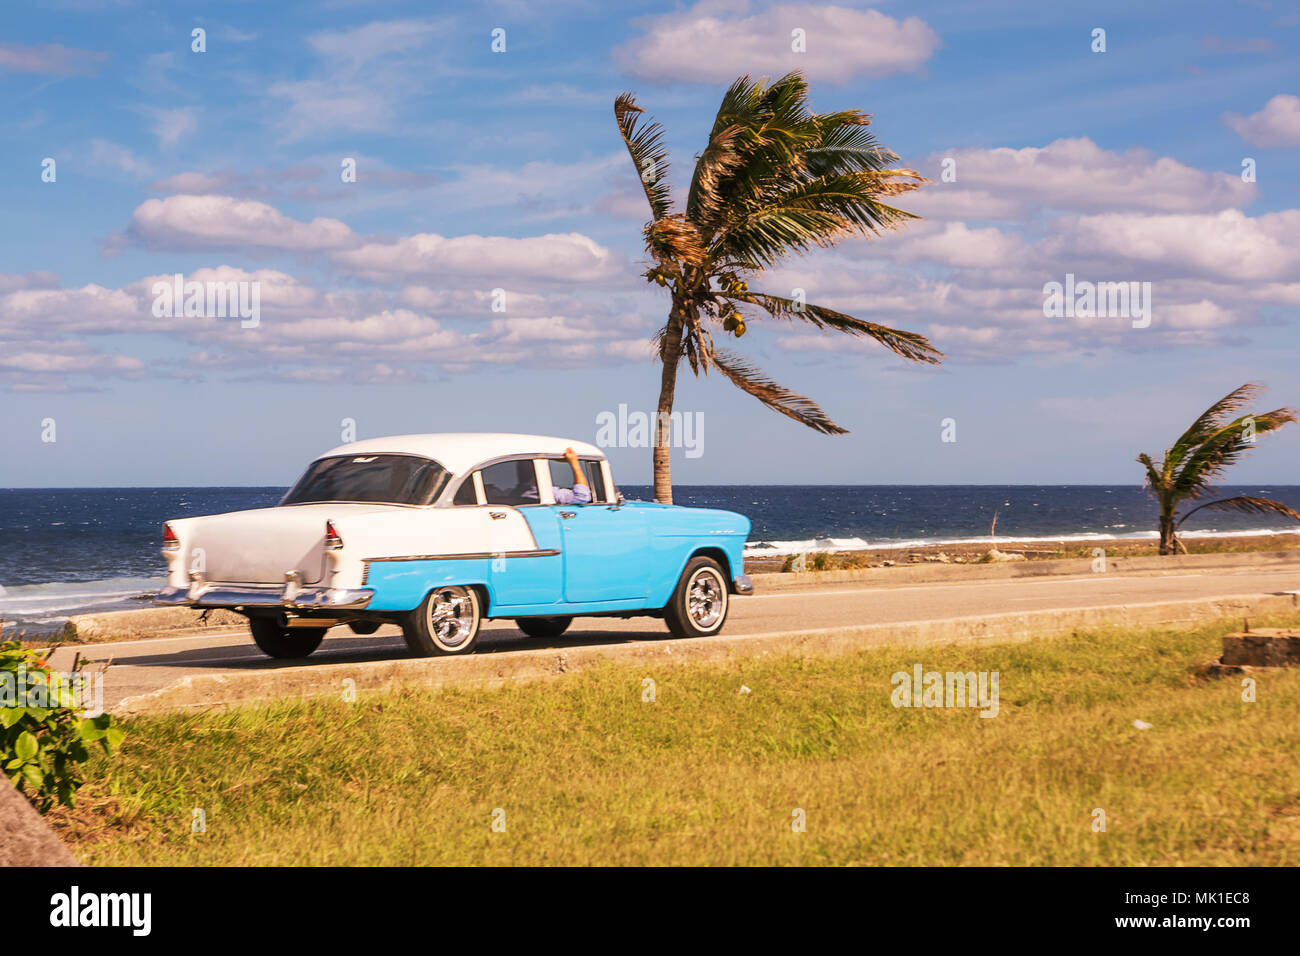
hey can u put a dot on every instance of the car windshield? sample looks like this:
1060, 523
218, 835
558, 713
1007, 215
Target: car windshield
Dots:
388, 479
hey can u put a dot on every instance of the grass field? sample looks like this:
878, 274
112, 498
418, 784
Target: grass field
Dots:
587, 772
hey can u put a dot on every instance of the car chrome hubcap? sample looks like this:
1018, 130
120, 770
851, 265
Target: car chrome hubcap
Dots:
705, 599
451, 617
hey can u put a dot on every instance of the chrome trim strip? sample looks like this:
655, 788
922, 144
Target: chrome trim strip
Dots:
541, 553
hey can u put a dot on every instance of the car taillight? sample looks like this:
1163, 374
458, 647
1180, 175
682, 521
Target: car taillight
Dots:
170, 541
332, 540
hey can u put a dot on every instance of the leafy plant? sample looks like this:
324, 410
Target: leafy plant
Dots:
43, 737
774, 180
1201, 455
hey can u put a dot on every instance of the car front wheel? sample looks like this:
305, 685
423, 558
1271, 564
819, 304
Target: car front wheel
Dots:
285, 642
700, 602
446, 622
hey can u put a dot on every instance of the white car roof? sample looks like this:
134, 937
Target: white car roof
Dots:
461, 451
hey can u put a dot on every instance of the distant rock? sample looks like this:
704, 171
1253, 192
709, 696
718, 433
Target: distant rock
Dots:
995, 555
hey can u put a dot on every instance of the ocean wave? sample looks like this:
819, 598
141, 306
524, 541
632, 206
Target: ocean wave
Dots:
55, 600
759, 549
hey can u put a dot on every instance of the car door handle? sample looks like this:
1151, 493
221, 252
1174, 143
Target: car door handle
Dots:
568, 514
497, 515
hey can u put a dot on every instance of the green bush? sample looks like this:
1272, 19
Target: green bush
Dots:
43, 737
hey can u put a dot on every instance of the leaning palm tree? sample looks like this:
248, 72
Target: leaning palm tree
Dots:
774, 179
1215, 441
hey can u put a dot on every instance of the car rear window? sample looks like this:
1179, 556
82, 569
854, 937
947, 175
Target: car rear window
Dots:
386, 479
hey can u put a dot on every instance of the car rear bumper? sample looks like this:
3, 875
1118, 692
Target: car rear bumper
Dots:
743, 585
309, 598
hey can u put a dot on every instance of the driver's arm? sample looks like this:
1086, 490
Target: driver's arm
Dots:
581, 493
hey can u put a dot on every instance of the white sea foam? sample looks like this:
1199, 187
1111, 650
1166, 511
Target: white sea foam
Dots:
54, 601
758, 549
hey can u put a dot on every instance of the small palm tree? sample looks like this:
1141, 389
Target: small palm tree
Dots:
774, 179
1202, 454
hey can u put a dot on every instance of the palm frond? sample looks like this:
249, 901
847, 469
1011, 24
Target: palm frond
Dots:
1211, 420
674, 238
720, 158
847, 145
1155, 479
645, 144
910, 345
776, 397
814, 212
1202, 463
1247, 504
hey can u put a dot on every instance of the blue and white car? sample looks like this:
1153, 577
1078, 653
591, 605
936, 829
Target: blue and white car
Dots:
437, 533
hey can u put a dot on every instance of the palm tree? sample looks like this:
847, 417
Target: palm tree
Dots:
1202, 454
774, 179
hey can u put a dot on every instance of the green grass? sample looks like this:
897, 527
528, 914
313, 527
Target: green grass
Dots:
587, 773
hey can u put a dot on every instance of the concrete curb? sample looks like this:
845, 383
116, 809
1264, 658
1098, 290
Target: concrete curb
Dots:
25, 838
147, 622
219, 691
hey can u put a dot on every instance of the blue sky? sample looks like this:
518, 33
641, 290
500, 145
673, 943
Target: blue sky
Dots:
480, 170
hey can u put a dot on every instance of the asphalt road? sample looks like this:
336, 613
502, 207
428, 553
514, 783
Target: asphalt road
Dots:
145, 665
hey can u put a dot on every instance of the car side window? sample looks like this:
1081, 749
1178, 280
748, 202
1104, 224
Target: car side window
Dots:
511, 483
465, 494
562, 476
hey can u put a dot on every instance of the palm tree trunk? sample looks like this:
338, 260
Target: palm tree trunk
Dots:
670, 353
1168, 540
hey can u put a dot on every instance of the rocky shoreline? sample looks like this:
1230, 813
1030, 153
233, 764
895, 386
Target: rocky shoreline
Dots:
1010, 550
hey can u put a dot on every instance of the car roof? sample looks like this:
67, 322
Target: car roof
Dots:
458, 452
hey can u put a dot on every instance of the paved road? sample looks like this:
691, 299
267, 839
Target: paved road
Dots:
142, 666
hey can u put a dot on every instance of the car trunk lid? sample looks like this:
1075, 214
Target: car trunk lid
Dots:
260, 546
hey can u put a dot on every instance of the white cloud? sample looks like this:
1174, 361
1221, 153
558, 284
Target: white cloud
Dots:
954, 244
50, 59
569, 257
1228, 245
360, 45
213, 222
303, 330
713, 42
1074, 174
171, 126
364, 76
118, 157
1277, 124
13, 281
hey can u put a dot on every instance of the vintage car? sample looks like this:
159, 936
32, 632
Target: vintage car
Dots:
437, 533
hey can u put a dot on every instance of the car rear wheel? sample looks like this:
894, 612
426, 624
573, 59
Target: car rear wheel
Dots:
700, 602
285, 642
544, 627
446, 622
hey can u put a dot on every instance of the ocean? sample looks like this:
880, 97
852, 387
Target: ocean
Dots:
68, 551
